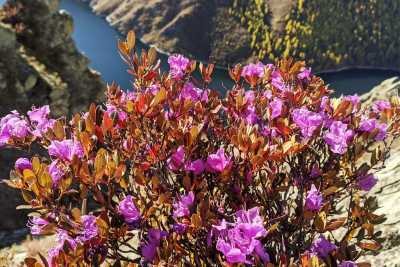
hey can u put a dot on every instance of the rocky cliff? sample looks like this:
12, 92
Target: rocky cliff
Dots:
387, 190
39, 64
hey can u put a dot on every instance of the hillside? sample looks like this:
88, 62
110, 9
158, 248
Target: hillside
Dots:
201, 29
228, 31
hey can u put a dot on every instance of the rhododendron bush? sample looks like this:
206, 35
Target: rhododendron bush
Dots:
274, 173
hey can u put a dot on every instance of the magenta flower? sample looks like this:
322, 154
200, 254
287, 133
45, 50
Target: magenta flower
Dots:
13, 126
253, 70
39, 118
307, 121
128, 210
122, 116
249, 97
338, 137
355, 101
149, 248
153, 89
278, 82
62, 239
197, 167
276, 108
66, 149
239, 240
177, 64
175, 162
305, 74
369, 125
56, 172
179, 228
382, 130
315, 171
190, 92
347, 264
37, 224
218, 162
89, 228
182, 207
322, 247
325, 104
314, 199
250, 115
23, 163
381, 105
367, 182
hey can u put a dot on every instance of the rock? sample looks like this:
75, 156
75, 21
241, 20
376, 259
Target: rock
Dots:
201, 29
385, 90
387, 190
39, 65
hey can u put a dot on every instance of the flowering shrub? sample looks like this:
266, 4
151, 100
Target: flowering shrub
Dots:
273, 174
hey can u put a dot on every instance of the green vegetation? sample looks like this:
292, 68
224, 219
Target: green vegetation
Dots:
329, 33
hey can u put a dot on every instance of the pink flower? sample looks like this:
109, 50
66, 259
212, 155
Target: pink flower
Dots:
89, 228
193, 93
355, 101
197, 166
154, 88
128, 210
23, 163
56, 172
177, 159
177, 64
122, 116
322, 247
37, 224
66, 149
13, 126
276, 108
307, 121
314, 199
62, 239
40, 121
239, 240
278, 82
369, 125
338, 137
218, 162
381, 105
347, 264
253, 70
315, 171
149, 248
367, 182
305, 74
182, 207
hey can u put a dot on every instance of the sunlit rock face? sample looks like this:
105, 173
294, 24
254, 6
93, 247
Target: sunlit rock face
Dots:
39, 65
387, 190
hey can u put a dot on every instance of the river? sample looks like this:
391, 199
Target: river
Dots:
98, 40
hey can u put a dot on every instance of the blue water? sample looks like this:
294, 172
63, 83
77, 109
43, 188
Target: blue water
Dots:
98, 40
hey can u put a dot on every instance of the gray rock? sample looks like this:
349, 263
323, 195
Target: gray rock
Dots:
38, 66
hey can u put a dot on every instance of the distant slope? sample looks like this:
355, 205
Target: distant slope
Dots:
328, 34
203, 29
